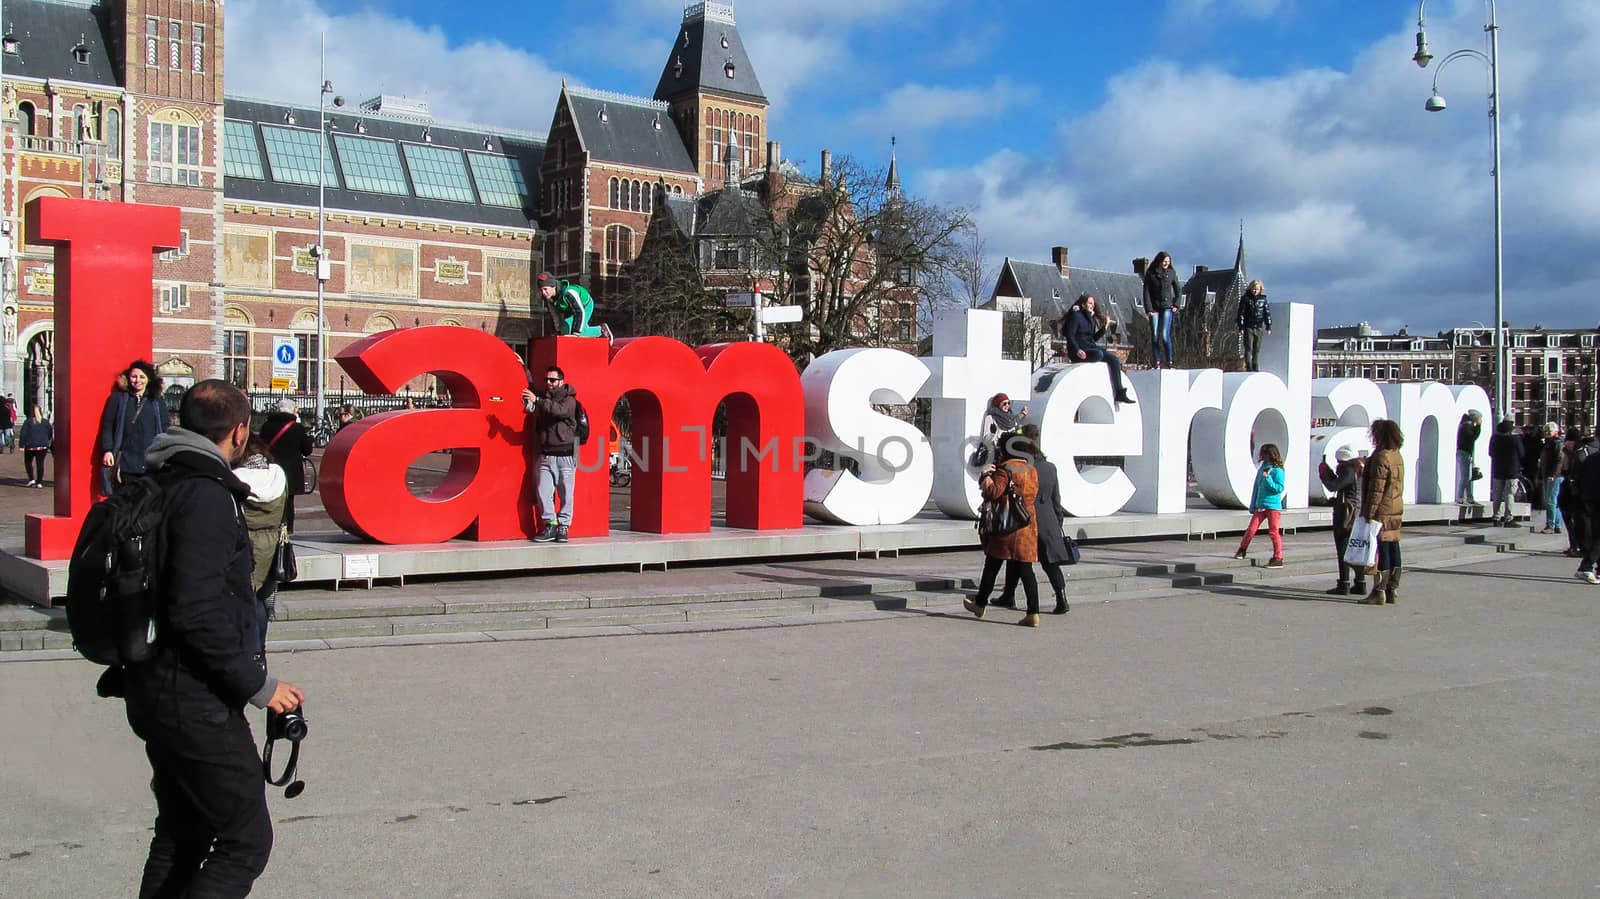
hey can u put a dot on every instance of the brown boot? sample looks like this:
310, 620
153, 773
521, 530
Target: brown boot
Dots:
1376, 597
1392, 585
1030, 620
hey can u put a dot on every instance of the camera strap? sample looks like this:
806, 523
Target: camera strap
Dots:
292, 787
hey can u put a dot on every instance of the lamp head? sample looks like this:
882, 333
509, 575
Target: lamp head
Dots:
1422, 57
327, 87
1435, 104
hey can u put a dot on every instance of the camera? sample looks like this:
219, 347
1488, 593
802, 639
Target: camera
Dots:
289, 726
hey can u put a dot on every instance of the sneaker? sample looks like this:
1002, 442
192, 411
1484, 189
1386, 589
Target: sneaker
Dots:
1239, 554
547, 535
1590, 576
561, 533
1275, 562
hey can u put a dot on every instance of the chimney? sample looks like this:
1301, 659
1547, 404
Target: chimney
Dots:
1139, 266
774, 179
827, 167
1058, 255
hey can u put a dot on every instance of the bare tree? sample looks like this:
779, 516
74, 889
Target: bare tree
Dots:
861, 258
663, 292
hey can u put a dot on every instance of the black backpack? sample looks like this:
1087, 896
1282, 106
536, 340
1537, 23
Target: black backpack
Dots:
580, 417
113, 598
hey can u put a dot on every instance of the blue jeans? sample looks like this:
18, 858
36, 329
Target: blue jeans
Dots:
1161, 336
1113, 364
1552, 514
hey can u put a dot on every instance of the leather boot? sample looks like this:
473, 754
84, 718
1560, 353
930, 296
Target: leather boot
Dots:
1061, 605
1340, 589
1376, 597
1030, 620
1360, 586
1391, 586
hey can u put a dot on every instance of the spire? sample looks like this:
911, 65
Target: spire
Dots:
893, 181
1238, 260
708, 56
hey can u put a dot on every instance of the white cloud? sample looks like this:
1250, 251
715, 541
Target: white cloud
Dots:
370, 53
1353, 197
921, 107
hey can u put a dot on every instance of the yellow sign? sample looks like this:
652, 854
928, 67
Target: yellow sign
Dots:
42, 281
283, 383
450, 271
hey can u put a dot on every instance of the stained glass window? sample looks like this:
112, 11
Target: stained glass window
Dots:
370, 164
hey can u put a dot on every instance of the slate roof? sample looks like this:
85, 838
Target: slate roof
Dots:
682, 209
732, 211
527, 150
1050, 293
46, 32
627, 130
699, 59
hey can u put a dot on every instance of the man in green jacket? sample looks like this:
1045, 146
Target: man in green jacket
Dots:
571, 305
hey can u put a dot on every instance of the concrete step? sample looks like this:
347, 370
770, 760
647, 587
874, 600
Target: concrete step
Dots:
322, 619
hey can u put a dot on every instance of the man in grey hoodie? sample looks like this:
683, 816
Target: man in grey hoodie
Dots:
212, 834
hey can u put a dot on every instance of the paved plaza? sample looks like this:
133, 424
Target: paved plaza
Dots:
1244, 739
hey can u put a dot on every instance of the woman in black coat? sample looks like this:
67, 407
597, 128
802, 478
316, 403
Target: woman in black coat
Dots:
290, 443
1163, 297
1082, 328
1055, 548
133, 416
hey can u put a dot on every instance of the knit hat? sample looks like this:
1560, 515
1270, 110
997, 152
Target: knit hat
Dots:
546, 279
998, 399
1475, 415
1344, 454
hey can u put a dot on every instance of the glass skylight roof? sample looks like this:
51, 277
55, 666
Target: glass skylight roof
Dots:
241, 158
371, 164
292, 153
500, 181
439, 173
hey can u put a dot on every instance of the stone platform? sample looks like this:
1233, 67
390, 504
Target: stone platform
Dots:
338, 560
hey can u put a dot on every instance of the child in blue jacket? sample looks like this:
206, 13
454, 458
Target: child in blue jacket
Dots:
1266, 504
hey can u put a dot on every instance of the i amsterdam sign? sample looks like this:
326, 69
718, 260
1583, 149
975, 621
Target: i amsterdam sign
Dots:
775, 416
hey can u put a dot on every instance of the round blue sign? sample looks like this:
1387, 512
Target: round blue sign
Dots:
286, 354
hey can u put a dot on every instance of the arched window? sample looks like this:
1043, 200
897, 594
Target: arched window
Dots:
650, 197
80, 122
638, 203
26, 117
612, 195
619, 249
114, 133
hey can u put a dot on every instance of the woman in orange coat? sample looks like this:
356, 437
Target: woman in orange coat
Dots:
1020, 548
1382, 500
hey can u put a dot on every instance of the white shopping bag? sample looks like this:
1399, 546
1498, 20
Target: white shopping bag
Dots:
1362, 550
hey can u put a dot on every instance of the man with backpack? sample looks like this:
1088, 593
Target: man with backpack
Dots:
212, 833
560, 426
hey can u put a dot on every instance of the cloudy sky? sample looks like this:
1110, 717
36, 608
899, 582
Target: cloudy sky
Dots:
1113, 129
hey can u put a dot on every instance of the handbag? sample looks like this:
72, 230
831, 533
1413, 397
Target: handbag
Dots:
283, 561
1477, 473
1362, 550
979, 457
1003, 515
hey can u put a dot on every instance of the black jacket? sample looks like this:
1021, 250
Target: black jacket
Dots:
210, 658
127, 427
1505, 456
1254, 312
1467, 435
1081, 332
36, 435
1047, 515
1162, 290
290, 450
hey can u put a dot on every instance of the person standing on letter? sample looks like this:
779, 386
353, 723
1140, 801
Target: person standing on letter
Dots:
555, 412
1163, 297
1467, 434
1255, 320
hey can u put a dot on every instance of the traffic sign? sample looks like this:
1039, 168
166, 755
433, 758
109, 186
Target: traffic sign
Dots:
285, 363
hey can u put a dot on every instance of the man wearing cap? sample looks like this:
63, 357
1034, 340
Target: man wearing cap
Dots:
1505, 469
1467, 434
1344, 482
570, 304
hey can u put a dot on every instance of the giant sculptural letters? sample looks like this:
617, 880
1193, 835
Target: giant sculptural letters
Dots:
1211, 420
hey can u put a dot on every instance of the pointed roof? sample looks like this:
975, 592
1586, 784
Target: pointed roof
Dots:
892, 183
709, 56
1050, 293
1238, 259
51, 38
627, 130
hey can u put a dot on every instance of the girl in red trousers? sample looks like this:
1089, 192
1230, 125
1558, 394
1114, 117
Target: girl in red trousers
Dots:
1266, 504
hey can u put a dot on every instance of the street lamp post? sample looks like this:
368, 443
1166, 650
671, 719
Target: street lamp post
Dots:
319, 253
1436, 103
